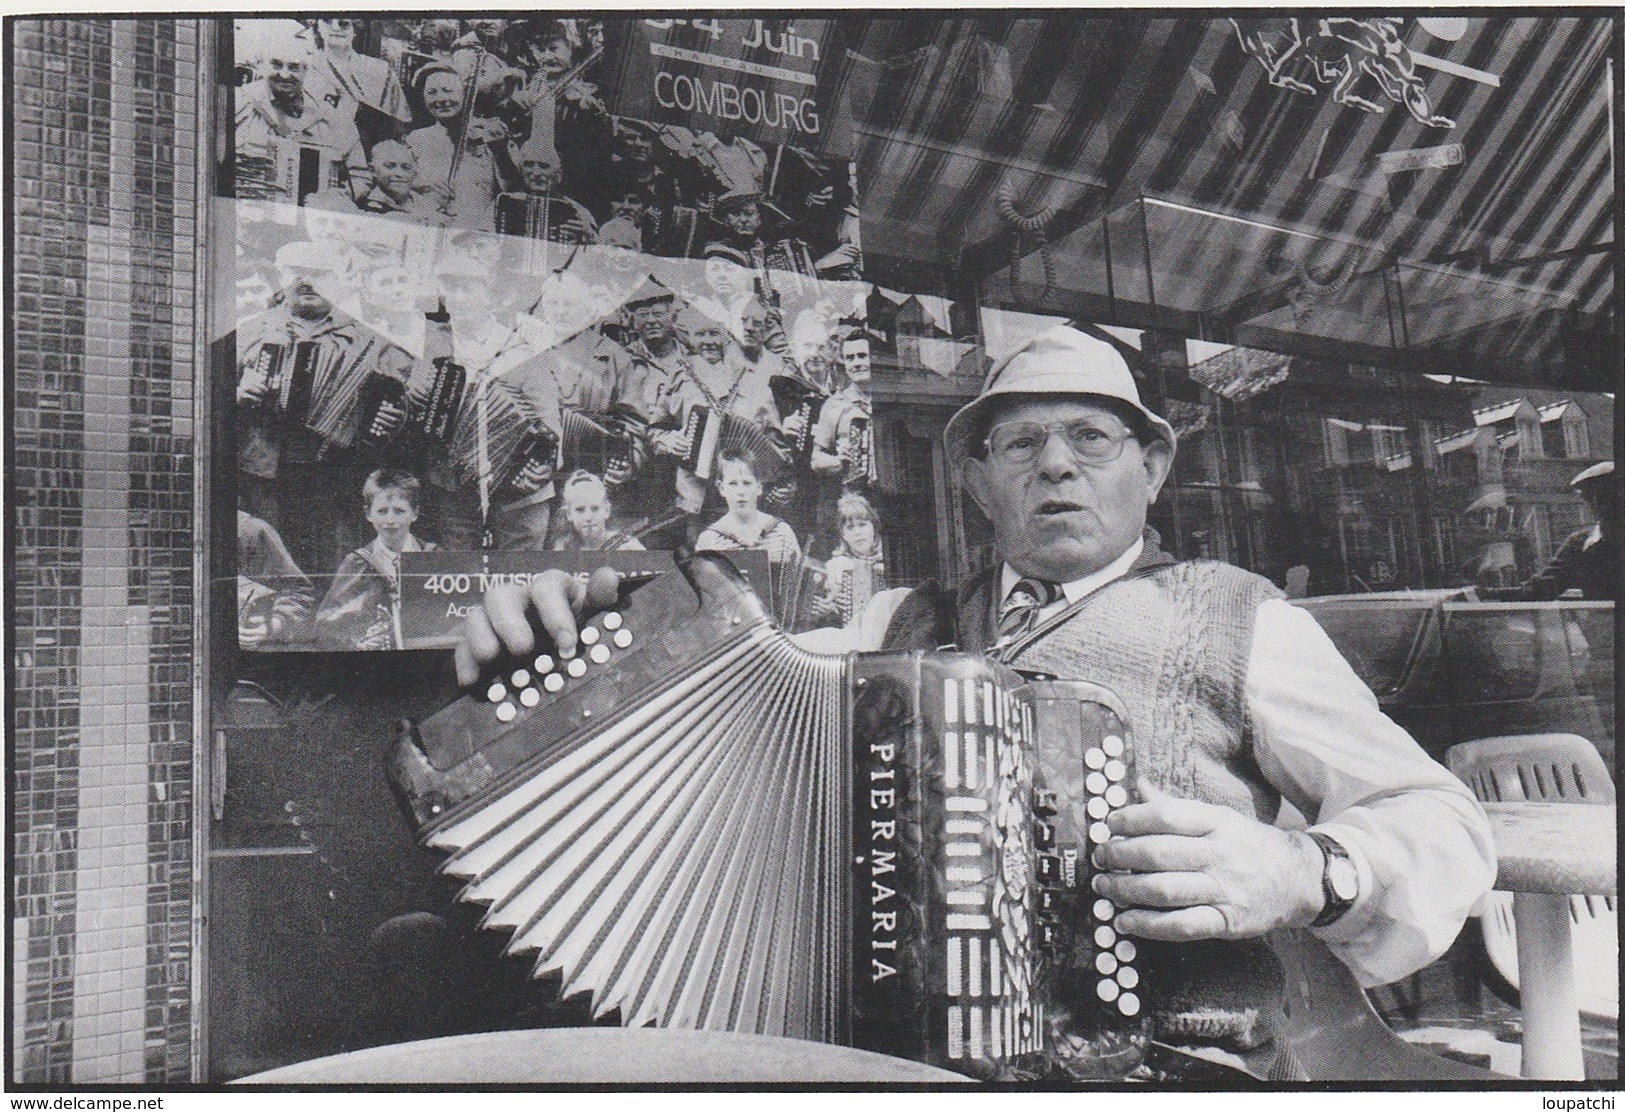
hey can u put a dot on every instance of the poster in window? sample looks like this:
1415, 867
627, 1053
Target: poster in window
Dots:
481, 308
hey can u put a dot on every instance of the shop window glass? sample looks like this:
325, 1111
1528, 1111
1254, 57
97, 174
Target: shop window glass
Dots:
514, 287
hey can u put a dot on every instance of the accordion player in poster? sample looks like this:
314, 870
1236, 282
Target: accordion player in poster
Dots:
843, 444
319, 396
289, 141
1228, 703
541, 215
485, 437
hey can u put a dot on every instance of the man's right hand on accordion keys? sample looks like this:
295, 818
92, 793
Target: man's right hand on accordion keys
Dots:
502, 623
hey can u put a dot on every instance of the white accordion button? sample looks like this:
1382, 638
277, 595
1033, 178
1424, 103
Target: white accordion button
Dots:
1127, 977
577, 667
1095, 758
553, 682
1116, 795
1124, 950
1104, 937
544, 664
1107, 990
1113, 745
520, 678
1116, 770
1129, 1004
612, 621
1095, 783
599, 654
507, 712
623, 638
530, 696
1105, 964
1098, 808
497, 693
1104, 909
1099, 833
590, 635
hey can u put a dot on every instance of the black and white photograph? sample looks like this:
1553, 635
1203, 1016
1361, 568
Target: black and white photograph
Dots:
1066, 550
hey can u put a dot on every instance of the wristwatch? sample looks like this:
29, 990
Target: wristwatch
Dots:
1339, 879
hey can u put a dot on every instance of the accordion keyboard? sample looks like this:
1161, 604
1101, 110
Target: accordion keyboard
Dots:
1085, 773
523, 687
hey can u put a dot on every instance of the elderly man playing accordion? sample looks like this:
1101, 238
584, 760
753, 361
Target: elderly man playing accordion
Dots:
1238, 699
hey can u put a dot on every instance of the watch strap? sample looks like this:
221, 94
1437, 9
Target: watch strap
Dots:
1335, 906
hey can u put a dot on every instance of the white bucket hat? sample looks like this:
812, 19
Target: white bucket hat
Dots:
1062, 361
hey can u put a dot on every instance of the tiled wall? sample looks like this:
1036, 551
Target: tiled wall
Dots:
104, 363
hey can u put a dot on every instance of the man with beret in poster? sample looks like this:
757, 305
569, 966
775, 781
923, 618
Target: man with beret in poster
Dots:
288, 142
1238, 701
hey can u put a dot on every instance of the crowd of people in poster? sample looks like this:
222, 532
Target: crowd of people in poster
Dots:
478, 310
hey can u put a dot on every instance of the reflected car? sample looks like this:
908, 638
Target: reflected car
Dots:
1450, 669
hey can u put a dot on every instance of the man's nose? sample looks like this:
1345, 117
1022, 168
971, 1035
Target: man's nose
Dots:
1055, 461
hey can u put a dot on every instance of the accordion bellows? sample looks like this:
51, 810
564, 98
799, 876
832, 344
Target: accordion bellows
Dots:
702, 825
661, 870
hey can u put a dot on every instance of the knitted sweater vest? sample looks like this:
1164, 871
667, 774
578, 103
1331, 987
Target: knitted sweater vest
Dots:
1174, 645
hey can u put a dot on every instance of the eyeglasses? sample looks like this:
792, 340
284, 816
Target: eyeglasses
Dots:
1089, 439
341, 24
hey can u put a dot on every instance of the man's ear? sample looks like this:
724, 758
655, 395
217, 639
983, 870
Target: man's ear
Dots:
1159, 461
973, 473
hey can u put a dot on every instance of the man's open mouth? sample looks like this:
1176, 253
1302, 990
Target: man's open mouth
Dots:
1056, 506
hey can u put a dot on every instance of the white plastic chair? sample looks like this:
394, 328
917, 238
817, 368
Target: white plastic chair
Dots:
1547, 768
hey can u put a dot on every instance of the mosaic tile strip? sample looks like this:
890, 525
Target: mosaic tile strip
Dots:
59, 110
161, 522
102, 727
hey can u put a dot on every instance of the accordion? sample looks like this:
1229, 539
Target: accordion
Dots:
438, 416
711, 433
497, 434
792, 396
860, 455
790, 255
855, 585
598, 442
325, 388
705, 826
286, 170
377, 391
536, 216
290, 378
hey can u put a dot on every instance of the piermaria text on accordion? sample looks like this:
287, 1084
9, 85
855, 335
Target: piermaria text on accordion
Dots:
882, 828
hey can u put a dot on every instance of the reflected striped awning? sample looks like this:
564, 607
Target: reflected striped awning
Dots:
1169, 182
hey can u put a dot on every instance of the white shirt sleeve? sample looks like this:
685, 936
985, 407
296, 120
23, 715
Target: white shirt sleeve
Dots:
1419, 839
864, 634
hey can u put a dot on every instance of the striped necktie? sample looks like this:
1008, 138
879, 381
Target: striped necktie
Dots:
1019, 614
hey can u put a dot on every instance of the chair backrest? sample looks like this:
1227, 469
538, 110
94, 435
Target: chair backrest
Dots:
1534, 768
1547, 768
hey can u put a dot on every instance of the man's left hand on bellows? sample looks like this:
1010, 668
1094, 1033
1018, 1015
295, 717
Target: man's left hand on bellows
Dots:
1184, 870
